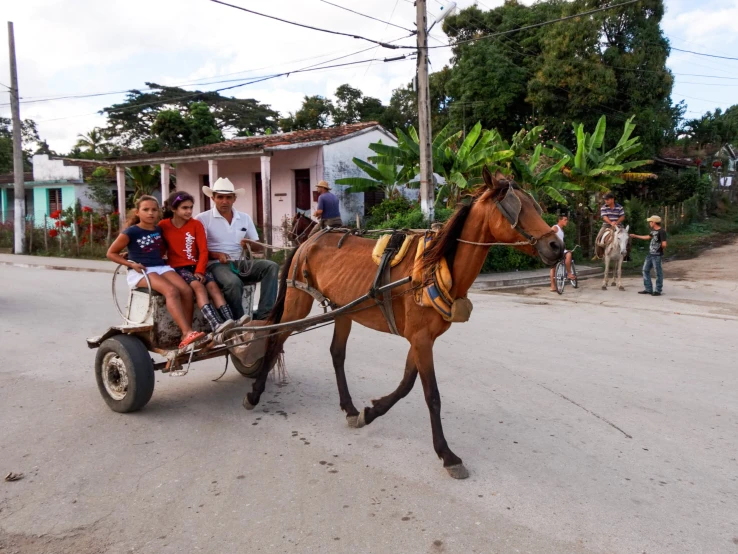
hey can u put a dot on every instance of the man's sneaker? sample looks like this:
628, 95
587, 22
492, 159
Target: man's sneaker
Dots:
243, 320
644, 292
655, 294
230, 324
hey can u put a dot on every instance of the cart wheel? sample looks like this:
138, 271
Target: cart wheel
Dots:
124, 373
574, 282
249, 371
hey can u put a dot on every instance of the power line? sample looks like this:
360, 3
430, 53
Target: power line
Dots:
704, 54
6, 86
380, 43
368, 16
257, 80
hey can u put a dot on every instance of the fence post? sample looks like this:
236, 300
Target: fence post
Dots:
46, 236
92, 232
75, 230
666, 218
61, 244
30, 238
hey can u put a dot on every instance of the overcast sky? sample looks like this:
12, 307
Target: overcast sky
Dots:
87, 46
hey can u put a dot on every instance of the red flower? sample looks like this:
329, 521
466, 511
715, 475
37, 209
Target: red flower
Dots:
53, 233
87, 210
58, 223
116, 212
56, 214
717, 163
80, 221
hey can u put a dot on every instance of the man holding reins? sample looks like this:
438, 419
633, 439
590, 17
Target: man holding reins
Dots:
228, 233
613, 215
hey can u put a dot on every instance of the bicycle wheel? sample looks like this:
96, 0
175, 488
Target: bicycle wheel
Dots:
560, 277
575, 281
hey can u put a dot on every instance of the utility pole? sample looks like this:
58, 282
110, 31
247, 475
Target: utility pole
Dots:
19, 185
424, 126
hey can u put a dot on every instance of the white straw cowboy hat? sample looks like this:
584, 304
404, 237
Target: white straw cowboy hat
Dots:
222, 186
323, 185
654, 218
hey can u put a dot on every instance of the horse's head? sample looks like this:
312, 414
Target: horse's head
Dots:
301, 225
517, 219
621, 239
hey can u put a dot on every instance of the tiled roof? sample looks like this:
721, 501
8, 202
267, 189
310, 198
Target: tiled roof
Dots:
89, 166
261, 142
9, 178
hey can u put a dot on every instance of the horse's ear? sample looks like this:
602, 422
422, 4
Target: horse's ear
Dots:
488, 179
627, 228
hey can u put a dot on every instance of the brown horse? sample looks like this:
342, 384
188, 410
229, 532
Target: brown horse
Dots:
345, 274
301, 227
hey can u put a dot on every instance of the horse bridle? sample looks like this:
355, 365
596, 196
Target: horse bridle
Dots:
300, 215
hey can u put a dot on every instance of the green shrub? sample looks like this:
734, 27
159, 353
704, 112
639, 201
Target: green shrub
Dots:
635, 216
391, 207
691, 210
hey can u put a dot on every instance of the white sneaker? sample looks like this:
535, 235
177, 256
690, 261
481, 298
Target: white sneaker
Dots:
243, 320
225, 326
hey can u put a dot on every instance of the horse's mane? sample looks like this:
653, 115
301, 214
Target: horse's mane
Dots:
445, 242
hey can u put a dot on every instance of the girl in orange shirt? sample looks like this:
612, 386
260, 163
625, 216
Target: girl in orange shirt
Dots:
187, 253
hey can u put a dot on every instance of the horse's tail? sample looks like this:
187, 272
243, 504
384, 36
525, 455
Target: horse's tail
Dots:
273, 352
275, 316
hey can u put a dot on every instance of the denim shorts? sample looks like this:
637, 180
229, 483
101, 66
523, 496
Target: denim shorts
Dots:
188, 274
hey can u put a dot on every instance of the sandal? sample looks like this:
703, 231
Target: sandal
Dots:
191, 337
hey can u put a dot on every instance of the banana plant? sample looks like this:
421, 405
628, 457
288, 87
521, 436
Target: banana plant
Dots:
594, 168
382, 176
548, 182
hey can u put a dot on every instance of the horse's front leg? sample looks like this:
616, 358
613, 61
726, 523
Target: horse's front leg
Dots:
607, 268
620, 274
423, 352
382, 405
341, 332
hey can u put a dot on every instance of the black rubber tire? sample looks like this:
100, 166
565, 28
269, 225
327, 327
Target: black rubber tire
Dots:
560, 277
575, 281
246, 371
139, 369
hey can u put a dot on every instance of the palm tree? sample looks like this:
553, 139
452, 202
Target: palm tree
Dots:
93, 142
547, 182
144, 179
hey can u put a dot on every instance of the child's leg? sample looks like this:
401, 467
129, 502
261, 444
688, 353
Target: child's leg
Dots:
553, 279
174, 301
201, 295
185, 292
219, 300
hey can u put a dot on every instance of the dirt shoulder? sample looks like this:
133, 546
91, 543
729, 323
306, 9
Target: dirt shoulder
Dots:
719, 263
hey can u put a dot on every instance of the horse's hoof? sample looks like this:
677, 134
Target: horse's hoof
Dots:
458, 471
604, 287
353, 421
621, 288
246, 404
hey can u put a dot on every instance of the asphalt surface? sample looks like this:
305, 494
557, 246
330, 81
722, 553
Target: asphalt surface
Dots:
598, 421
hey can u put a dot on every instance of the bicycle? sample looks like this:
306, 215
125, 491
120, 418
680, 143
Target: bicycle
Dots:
561, 277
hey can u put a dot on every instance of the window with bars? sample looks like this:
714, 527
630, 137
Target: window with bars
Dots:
55, 200
371, 199
302, 190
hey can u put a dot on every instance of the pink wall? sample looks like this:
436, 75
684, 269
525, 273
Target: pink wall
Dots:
242, 172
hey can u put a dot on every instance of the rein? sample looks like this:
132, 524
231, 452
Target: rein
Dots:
514, 224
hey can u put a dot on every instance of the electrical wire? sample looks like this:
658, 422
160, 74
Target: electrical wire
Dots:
704, 54
257, 80
380, 43
369, 16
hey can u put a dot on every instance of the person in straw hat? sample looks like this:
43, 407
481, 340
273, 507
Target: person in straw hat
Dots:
228, 233
657, 236
328, 211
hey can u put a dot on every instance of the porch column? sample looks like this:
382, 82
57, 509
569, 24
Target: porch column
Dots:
266, 194
164, 182
3, 203
120, 177
212, 171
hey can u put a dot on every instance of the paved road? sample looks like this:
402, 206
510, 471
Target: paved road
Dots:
596, 422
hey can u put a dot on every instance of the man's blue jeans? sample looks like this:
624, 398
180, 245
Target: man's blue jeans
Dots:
653, 261
264, 271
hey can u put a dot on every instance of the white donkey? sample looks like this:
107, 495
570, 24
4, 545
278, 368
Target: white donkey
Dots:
615, 250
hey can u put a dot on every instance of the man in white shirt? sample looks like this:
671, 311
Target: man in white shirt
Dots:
228, 232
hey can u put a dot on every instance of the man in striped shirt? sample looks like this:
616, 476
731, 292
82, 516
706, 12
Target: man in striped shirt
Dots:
612, 215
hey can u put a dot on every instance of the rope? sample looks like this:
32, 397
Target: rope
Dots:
522, 243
